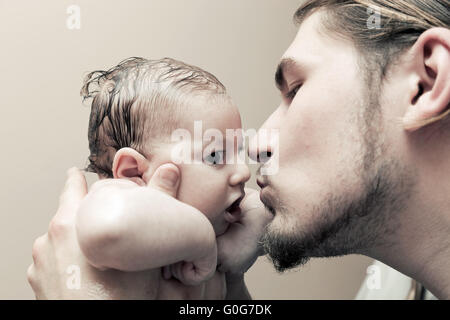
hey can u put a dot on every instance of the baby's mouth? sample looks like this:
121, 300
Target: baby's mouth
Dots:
233, 212
224, 231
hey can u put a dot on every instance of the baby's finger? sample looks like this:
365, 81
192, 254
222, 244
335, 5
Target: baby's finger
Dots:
174, 270
166, 272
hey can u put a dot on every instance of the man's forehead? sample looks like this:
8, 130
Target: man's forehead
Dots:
312, 46
309, 36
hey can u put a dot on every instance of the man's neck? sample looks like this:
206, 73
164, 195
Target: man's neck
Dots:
420, 247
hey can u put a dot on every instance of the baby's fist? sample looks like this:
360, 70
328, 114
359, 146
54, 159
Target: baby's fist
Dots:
238, 248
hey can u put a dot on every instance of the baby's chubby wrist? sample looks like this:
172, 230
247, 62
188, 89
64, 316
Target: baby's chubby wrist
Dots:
203, 236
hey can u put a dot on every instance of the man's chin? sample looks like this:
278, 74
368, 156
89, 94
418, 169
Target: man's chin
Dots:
283, 250
284, 262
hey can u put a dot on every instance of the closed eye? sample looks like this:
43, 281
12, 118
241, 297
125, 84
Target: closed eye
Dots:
290, 95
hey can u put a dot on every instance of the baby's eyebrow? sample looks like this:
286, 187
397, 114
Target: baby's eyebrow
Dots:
211, 141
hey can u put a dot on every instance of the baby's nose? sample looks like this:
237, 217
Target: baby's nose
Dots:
241, 175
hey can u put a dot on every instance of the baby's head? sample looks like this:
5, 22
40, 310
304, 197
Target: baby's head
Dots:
139, 104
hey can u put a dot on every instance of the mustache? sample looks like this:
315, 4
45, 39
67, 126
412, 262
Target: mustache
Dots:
268, 204
270, 200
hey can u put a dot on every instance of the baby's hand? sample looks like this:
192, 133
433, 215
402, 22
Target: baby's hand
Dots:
195, 272
238, 248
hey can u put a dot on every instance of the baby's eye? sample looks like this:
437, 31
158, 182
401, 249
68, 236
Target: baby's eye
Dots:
215, 157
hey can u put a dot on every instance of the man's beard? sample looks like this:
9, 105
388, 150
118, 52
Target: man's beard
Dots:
345, 224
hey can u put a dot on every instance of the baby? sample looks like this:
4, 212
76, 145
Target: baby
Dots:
136, 107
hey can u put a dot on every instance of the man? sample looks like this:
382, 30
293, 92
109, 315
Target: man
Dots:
364, 139
363, 148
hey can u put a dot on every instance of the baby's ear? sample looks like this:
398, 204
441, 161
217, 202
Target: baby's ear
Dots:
130, 164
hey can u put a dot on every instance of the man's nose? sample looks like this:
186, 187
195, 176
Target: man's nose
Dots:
262, 145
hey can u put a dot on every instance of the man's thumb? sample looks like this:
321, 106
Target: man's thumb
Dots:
166, 179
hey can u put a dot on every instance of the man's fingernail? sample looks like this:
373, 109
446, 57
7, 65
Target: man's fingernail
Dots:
168, 177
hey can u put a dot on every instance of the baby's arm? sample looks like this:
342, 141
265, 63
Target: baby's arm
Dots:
120, 227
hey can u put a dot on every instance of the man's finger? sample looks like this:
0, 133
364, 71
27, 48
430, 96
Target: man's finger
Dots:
74, 191
166, 179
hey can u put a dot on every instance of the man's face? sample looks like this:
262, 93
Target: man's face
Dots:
337, 181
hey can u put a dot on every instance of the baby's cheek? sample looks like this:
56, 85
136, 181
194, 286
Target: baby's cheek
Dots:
197, 195
191, 196
191, 185
210, 203
205, 188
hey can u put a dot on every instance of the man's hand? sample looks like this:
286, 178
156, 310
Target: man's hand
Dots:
60, 270
238, 248
57, 251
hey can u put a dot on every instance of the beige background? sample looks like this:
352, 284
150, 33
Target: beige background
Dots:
44, 126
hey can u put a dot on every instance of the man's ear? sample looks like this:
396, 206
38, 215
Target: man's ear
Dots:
130, 164
430, 93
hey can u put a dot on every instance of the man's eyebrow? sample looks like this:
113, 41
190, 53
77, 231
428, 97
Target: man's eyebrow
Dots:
285, 63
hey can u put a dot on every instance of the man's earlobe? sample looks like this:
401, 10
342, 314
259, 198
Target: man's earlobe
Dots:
430, 101
129, 164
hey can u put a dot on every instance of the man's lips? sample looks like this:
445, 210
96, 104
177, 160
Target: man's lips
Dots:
266, 199
264, 194
261, 183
